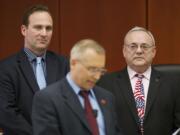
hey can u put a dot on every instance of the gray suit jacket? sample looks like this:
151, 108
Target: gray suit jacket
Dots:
162, 113
18, 86
57, 111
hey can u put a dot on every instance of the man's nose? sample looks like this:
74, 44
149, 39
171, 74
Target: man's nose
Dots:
43, 32
139, 49
97, 75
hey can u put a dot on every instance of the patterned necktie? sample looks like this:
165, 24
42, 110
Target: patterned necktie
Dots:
139, 99
40, 73
89, 113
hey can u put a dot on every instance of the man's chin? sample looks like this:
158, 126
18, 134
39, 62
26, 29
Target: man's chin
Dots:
42, 48
89, 87
139, 63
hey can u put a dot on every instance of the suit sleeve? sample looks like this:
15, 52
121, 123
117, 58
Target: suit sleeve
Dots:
44, 116
11, 118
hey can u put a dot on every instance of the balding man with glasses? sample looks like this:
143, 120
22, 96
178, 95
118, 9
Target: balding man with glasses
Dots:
148, 101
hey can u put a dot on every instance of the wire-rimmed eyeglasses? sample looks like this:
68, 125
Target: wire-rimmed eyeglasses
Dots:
94, 70
144, 47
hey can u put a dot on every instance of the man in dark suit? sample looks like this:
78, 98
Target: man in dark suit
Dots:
157, 111
18, 74
63, 109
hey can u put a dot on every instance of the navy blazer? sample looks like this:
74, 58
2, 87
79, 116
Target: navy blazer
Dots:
57, 111
162, 114
18, 86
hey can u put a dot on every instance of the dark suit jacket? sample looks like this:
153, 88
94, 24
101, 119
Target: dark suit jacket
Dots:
162, 113
18, 86
57, 111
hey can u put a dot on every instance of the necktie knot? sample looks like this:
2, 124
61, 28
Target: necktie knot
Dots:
38, 60
139, 76
84, 93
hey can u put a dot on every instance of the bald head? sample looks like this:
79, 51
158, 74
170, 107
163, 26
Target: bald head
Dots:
140, 29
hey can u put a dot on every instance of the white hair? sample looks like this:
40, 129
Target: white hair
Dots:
137, 28
81, 46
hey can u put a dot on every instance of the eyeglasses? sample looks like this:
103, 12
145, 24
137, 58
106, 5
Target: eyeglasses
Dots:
144, 47
94, 70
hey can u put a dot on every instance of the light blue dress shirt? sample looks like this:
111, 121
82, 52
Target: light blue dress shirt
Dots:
93, 101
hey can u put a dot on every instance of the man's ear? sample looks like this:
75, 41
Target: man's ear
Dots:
23, 30
123, 51
73, 62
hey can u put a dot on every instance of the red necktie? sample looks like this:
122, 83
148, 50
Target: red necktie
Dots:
139, 98
89, 113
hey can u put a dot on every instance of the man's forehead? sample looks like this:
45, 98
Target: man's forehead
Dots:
138, 36
40, 16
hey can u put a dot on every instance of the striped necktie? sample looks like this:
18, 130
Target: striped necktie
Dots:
139, 99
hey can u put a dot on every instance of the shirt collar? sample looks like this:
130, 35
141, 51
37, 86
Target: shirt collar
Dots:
146, 74
31, 56
75, 87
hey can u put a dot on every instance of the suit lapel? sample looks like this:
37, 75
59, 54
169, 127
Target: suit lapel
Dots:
153, 90
124, 84
52, 68
27, 70
103, 103
74, 104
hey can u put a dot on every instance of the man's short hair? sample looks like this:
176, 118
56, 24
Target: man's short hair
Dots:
81, 46
31, 10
